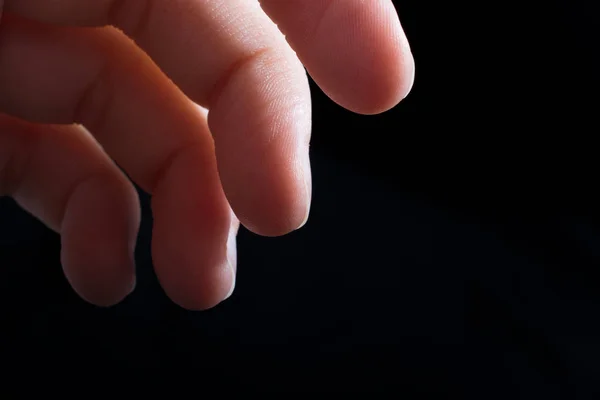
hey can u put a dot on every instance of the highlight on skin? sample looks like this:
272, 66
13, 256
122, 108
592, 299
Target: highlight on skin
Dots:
204, 104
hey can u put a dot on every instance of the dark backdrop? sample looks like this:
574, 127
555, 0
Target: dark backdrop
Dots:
453, 247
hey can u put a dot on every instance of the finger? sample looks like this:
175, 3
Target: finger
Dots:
230, 57
355, 50
192, 231
98, 78
62, 176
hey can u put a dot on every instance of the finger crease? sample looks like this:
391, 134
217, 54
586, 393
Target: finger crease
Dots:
168, 161
228, 75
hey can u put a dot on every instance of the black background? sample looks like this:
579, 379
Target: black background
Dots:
453, 246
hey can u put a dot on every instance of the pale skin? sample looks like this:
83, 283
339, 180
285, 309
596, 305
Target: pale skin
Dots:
203, 104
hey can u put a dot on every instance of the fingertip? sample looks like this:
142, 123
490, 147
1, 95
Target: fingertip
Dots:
359, 55
202, 286
384, 91
274, 213
102, 296
271, 229
371, 84
207, 289
98, 234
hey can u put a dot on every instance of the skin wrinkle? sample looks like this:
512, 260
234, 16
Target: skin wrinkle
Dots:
230, 73
218, 22
229, 56
168, 161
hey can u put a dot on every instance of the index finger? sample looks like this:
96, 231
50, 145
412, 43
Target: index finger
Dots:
355, 50
228, 56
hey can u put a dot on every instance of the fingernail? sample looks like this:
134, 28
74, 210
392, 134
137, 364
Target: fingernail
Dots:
231, 260
412, 76
233, 274
307, 188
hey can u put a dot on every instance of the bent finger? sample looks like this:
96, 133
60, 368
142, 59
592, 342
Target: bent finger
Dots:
229, 57
100, 78
62, 176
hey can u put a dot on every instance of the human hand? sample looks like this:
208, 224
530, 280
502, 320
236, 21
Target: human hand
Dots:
63, 67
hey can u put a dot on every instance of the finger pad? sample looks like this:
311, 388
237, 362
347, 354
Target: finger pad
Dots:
262, 123
360, 56
191, 225
98, 237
